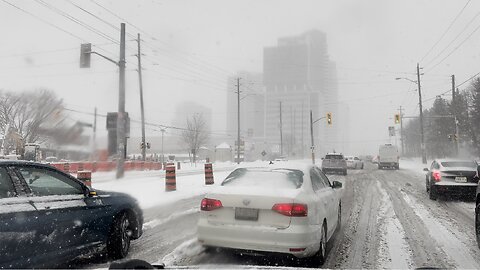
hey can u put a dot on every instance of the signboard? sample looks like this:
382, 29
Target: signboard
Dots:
264, 153
391, 131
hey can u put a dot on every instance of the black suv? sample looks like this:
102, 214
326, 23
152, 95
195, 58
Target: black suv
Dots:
48, 217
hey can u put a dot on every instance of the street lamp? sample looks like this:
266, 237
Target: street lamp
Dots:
417, 82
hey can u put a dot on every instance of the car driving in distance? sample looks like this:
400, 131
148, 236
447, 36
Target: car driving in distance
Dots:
451, 177
285, 209
334, 162
48, 217
354, 162
388, 157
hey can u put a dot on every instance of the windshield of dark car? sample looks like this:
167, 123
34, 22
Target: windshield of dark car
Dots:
468, 164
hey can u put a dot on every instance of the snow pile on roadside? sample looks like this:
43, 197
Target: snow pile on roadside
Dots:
150, 191
156, 222
394, 249
447, 238
187, 249
413, 164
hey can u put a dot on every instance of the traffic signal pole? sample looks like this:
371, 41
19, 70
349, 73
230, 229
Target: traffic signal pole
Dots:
238, 121
311, 136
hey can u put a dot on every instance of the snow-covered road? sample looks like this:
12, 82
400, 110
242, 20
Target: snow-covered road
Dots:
388, 222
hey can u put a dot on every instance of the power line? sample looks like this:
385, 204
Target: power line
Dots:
446, 30
451, 42
45, 21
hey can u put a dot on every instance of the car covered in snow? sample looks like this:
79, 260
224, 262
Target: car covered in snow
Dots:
48, 217
334, 162
354, 162
451, 177
290, 210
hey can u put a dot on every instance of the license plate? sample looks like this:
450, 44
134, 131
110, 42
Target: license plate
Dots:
246, 214
461, 179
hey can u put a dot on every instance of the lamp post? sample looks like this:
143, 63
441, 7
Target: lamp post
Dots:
417, 82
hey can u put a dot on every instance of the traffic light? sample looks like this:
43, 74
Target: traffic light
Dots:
148, 145
142, 145
85, 52
397, 118
329, 118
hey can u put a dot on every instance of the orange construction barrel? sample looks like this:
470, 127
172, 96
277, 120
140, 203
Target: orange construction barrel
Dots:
170, 177
208, 174
85, 177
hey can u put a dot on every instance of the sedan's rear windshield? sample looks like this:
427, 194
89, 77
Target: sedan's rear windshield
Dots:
269, 178
469, 164
333, 157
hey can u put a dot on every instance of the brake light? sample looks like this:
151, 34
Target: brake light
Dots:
436, 176
210, 204
291, 209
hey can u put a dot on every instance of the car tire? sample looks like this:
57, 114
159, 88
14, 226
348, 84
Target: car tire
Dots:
433, 193
118, 243
362, 167
131, 264
345, 172
477, 224
318, 259
427, 186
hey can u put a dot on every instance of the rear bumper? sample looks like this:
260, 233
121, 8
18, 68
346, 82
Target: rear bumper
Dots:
388, 164
264, 239
456, 189
334, 169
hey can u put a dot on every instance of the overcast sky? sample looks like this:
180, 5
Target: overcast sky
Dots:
191, 47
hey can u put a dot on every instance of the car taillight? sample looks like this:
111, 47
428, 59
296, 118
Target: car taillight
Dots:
436, 176
210, 204
291, 209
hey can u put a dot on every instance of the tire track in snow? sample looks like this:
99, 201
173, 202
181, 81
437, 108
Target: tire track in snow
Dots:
425, 249
448, 239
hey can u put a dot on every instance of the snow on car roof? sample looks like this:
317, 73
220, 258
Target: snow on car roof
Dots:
293, 165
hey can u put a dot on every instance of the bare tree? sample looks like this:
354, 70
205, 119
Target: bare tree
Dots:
28, 113
196, 134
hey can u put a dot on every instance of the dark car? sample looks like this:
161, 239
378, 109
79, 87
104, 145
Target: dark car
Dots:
48, 217
453, 177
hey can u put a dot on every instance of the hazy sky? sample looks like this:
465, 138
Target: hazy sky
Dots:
191, 47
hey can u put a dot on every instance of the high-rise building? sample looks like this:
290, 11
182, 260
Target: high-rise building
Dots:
299, 75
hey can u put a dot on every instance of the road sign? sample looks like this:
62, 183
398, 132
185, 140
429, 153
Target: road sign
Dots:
391, 131
264, 153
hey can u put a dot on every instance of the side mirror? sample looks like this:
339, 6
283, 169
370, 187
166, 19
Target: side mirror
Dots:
322, 158
425, 169
89, 192
336, 184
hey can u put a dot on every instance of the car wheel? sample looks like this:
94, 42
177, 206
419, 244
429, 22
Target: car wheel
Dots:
318, 259
427, 186
477, 224
433, 192
362, 167
118, 243
345, 172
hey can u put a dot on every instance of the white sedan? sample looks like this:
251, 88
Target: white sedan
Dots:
279, 208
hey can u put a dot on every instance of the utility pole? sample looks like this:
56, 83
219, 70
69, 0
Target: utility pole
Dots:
311, 136
281, 133
94, 140
163, 131
121, 138
238, 121
401, 130
455, 115
303, 145
139, 56
423, 148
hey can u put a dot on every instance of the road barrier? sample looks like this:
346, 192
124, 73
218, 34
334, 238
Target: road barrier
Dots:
170, 177
66, 167
85, 177
81, 167
148, 165
209, 174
